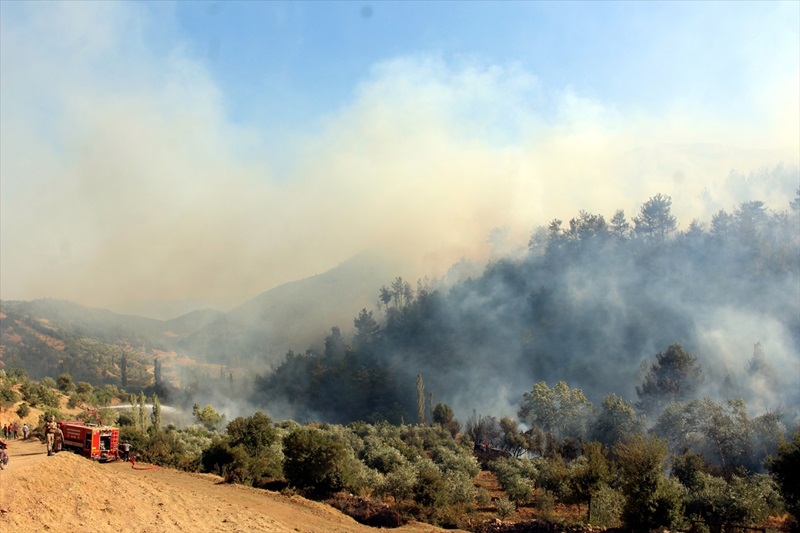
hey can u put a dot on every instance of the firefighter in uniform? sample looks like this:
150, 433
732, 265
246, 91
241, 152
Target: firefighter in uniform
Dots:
50, 431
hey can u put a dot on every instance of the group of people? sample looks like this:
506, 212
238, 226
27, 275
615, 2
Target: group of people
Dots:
12, 431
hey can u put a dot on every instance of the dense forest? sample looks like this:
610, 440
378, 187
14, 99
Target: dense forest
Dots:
592, 303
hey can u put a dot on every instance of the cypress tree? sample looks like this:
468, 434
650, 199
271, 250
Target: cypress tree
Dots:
155, 418
420, 399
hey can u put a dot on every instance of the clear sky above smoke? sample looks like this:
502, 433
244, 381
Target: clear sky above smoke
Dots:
205, 152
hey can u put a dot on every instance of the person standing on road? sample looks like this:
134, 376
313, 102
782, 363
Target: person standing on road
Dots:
126, 451
50, 430
25, 431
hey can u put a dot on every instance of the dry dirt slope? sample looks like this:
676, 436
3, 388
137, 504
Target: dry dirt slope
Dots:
67, 493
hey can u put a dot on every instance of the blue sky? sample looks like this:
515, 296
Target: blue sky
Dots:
626, 54
203, 152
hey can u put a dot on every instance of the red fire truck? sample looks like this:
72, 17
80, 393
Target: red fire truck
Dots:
94, 441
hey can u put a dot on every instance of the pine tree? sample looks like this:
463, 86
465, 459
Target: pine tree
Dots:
675, 376
655, 219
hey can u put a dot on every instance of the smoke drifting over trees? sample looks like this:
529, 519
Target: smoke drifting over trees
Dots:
607, 307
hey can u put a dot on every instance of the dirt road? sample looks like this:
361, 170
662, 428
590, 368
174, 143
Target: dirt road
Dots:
68, 493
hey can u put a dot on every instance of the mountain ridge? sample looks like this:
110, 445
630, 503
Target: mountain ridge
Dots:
257, 333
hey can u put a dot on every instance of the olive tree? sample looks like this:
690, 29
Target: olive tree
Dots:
651, 500
560, 410
317, 462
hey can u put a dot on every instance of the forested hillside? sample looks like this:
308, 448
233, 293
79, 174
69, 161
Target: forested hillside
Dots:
259, 331
592, 303
640, 375
51, 337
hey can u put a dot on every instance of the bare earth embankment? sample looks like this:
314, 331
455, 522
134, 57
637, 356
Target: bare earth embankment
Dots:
68, 493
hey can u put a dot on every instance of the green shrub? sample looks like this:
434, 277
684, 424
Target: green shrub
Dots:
238, 468
504, 468
73, 401
519, 489
482, 497
606, 507
208, 417
234, 460
448, 517
651, 500
49, 397
545, 503
430, 489
399, 484
216, 456
23, 410
669, 503
28, 392
450, 460
16, 375
108, 416
194, 439
84, 388
459, 488
8, 396
102, 397
551, 474
381, 456
166, 448
505, 508
255, 433
133, 436
784, 467
269, 463
126, 417
745, 501
318, 463
65, 384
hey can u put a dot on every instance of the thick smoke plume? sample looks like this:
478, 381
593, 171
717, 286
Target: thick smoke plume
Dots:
126, 184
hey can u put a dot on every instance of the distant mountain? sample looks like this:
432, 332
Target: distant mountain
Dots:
49, 336
293, 316
191, 322
107, 326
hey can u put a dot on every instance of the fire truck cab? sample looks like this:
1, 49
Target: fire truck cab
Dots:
91, 440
